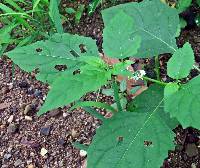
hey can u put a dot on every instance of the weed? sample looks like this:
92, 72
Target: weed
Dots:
142, 135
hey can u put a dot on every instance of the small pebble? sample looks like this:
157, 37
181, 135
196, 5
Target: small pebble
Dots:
44, 98
32, 154
191, 150
5, 90
45, 130
30, 91
11, 119
43, 152
23, 84
37, 93
18, 162
12, 128
10, 86
10, 149
65, 115
27, 109
193, 165
61, 142
7, 156
83, 153
28, 118
74, 133
54, 113
13, 109
30, 166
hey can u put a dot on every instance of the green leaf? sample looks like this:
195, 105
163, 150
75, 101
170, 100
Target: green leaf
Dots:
118, 42
93, 5
70, 10
197, 20
94, 113
67, 89
182, 5
14, 5
35, 4
123, 102
5, 37
183, 23
18, 15
140, 139
94, 104
181, 62
121, 68
184, 104
80, 146
43, 56
123, 86
108, 92
170, 89
155, 22
79, 13
55, 15
198, 2
135, 89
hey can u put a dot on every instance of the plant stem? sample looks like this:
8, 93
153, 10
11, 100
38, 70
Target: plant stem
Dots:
155, 81
196, 67
157, 67
116, 95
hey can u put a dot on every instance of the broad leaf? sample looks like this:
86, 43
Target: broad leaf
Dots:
118, 42
43, 56
134, 139
181, 62
155, 22
67, 89
184, 104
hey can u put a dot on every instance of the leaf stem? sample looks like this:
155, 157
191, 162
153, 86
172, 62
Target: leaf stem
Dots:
94, 104
157, 67
155, 81
116, 95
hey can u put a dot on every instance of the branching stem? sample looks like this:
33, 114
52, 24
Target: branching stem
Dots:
116, 95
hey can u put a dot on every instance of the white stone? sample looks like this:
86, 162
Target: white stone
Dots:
64, 115
11, 119
43, 152
83, 153
28, 118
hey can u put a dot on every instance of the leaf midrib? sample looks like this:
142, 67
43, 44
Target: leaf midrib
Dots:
139, 131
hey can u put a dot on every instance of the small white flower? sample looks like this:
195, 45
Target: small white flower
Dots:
142, 73
138, 74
